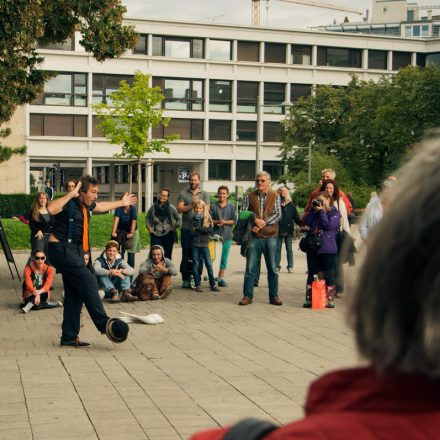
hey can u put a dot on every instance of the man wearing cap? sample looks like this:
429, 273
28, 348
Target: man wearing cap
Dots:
67, 244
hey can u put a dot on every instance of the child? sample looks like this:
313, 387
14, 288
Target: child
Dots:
201, 228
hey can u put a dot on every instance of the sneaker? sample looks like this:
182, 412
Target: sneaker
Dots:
198, 289
54, 303
155, 296
186, 284
290, 270
114, 294
27, 308
330, 303
101, 294
307, 304
126, 296
166, 292
215, 289
222, 282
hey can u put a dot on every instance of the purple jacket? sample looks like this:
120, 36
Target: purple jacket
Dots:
328, 222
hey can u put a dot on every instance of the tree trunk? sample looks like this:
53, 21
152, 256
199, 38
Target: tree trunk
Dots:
139, 185
130, 178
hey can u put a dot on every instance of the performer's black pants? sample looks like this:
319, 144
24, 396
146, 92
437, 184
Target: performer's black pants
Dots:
80, 287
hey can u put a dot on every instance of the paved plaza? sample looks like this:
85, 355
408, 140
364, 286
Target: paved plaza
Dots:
210, 364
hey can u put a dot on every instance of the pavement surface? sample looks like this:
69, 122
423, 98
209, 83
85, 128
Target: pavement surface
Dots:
210, 364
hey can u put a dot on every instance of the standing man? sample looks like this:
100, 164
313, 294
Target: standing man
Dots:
266, 205
67, 244
49, 191
185, 203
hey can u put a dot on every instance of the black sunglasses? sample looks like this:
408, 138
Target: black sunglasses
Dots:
39, 258
260, 180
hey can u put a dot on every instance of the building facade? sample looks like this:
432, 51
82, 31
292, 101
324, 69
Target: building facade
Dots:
224, 86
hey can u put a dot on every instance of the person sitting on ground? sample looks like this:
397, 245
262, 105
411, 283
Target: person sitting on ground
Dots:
38, 277
114, 274
394, 308
154, 279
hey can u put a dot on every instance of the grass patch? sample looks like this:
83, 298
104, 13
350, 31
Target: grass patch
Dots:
100, 231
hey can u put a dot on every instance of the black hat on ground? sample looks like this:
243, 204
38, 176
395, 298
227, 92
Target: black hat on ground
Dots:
116, 330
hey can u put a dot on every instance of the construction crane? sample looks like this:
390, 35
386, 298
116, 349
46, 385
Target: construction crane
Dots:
312, 3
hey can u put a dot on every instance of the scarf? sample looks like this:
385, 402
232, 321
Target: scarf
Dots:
162, 211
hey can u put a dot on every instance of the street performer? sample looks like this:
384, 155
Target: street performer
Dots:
68, 243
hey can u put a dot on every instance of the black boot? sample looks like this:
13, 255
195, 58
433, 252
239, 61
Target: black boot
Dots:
308, 302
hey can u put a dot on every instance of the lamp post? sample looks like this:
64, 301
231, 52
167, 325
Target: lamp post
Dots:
284, 104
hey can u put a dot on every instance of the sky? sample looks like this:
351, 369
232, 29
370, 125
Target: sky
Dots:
280, 13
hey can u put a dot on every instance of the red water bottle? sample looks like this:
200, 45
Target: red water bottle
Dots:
319, 294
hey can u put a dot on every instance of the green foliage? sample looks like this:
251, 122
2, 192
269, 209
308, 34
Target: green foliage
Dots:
363, 131
302, 193
7, 152
18, 233
133, 112
27, 24
14, 204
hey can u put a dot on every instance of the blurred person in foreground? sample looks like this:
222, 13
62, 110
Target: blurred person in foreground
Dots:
394, 308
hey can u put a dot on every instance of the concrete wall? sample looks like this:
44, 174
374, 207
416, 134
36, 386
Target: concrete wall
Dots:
13, 172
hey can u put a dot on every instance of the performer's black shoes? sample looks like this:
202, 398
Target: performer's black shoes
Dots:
75, 343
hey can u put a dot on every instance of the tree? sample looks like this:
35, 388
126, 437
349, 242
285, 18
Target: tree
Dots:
28, 24
368, 127
7, 152
127, 121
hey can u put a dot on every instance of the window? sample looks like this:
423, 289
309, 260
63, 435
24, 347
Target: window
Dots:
433, 58
246, 130
271, 132
141, 45
247, 96
185, 128
121, 174
274, 95
219, 50
220, 95
274, 53
219, 170
401, 59
416, 31
248, 51
69, 44
301, 54
408, 31
65, 89
410, 15
275, 169
425, 30
339, 57
377, 59
58, 125
176, 47
96, 129
245, 170
105, 85
219, 130
300, 91
181, 94
421, 60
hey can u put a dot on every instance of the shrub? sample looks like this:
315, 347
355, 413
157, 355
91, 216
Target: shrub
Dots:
14, 204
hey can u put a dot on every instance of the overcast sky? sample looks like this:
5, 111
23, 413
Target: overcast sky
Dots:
280, 13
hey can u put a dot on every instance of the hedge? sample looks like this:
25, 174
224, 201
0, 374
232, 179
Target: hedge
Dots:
15, 204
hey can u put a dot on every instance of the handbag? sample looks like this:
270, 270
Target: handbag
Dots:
311, 242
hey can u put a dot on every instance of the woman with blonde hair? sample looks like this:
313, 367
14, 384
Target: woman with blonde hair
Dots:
201, 228
40, 222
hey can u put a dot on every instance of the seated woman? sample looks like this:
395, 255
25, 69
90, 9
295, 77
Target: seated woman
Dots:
154, 279
38, 277
114, 274
394, 312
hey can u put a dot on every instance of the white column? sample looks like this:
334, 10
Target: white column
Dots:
288, 53
365, 59
27, 175
261, 55
234, 50
89, 166
314, 55
390, 60
414, 59
148, 184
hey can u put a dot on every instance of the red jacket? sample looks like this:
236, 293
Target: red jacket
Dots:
357, 404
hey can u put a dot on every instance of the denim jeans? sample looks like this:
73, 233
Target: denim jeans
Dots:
256, 247
287, 239
114, 282
200, 255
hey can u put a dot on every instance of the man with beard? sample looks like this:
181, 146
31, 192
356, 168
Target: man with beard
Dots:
162, 221
185, 204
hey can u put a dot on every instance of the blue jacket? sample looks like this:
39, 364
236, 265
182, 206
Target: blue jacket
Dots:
327, 222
